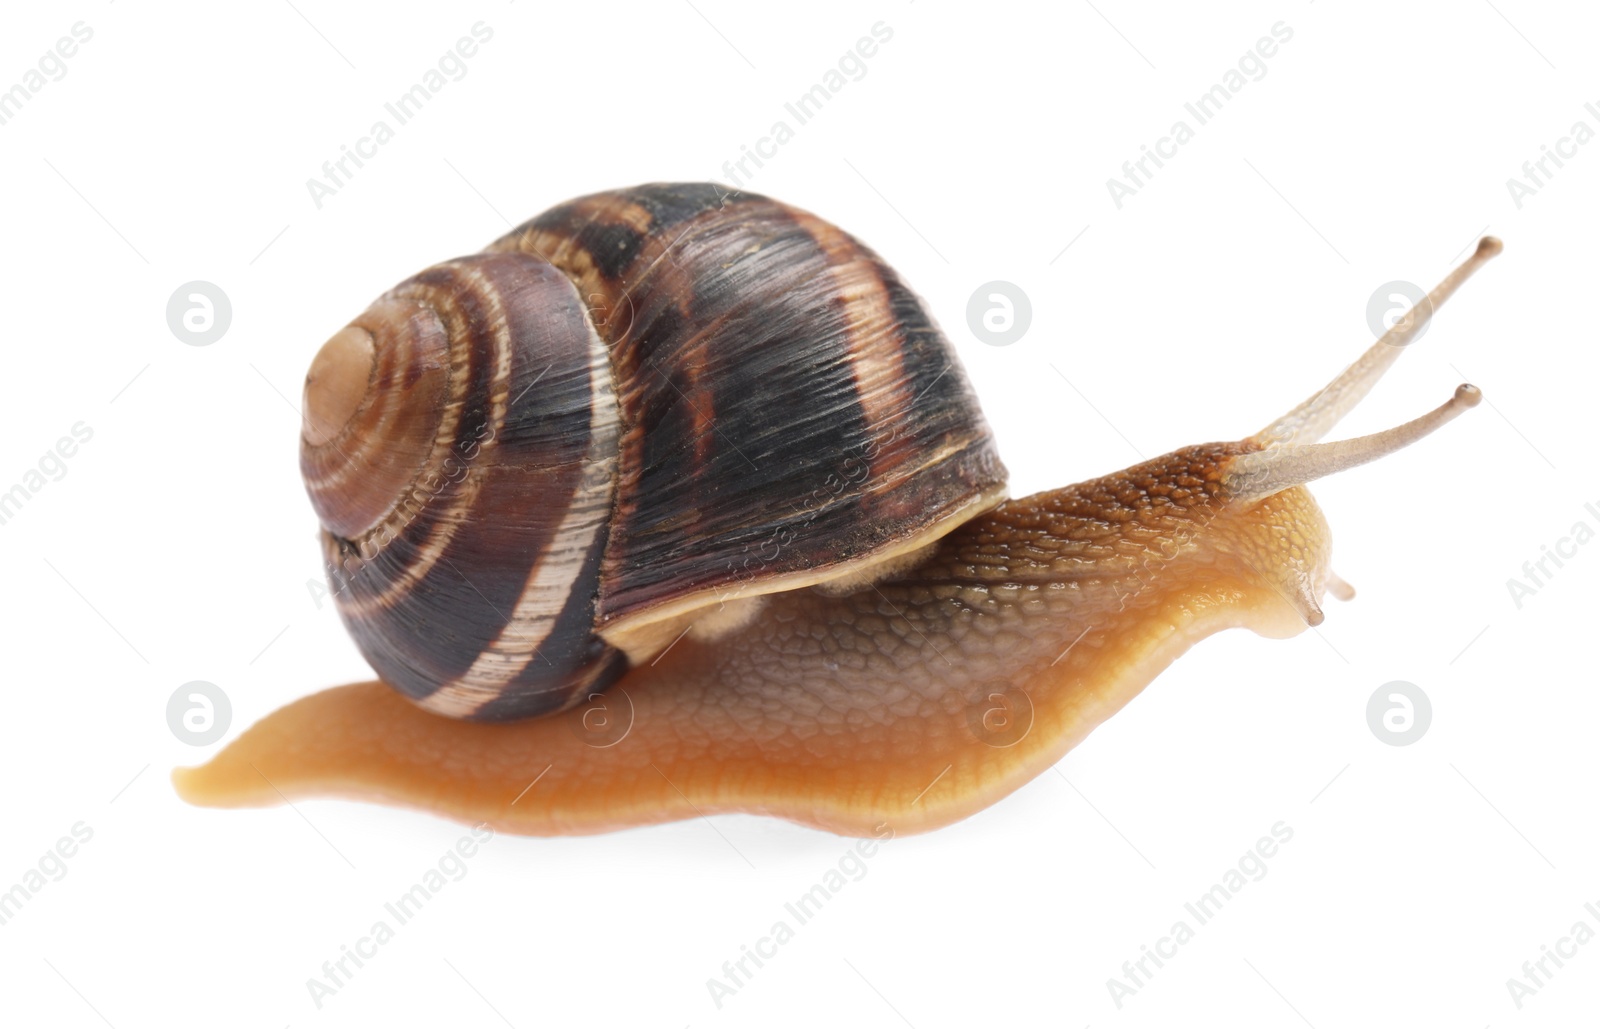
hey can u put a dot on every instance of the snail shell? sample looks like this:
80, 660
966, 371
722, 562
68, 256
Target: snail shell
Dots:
638, 412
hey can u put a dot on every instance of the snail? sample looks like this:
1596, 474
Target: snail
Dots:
675, 501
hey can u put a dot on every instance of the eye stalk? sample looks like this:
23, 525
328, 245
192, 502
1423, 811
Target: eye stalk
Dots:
1265, 472
1289, 454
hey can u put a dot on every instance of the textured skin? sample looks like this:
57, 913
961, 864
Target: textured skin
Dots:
907, 705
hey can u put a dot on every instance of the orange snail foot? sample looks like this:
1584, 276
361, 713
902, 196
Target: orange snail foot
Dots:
675, 742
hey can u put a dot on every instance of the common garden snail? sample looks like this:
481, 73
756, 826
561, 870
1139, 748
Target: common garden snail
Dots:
692, 475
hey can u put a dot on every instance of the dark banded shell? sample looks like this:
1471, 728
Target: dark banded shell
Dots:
652, 401
791, 411
474, 591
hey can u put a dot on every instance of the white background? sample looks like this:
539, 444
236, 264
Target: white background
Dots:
179, 544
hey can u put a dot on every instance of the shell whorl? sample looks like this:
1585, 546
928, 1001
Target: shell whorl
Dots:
634, 409
465, 501
792, 415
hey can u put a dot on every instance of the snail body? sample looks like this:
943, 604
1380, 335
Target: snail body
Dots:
737, 531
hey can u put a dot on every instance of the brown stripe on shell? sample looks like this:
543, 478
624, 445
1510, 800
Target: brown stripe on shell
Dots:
587, 238
729, 307
519, 501
875, 356
493, 346
556, 575
355, 479
756, 355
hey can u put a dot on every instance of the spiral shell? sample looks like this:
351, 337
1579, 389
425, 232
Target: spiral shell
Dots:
633, 415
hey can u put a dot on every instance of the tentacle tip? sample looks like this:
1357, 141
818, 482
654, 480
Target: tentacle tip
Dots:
1468, 395
1303, 596
1489, 246
1338, 589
